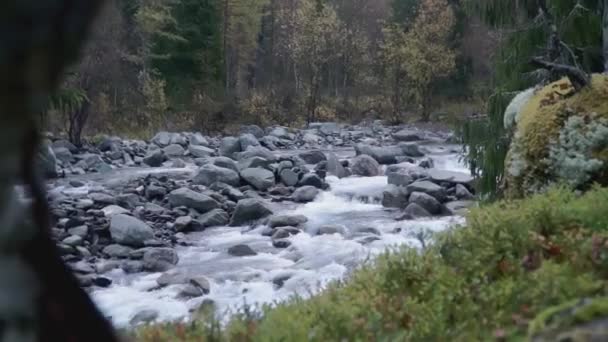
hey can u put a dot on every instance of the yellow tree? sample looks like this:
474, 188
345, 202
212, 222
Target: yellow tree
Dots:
427, 53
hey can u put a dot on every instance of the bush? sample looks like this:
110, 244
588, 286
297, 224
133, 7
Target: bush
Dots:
489, 279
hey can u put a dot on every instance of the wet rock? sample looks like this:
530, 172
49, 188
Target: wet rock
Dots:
117, 251
183, 223
144, 316
256, 151
63, 154
198, 151
463, 193
415, 210
172, 277
458, 207
155, 191
332, 229
279, 280
411, 149
209, 174
313, 157
155, 158
366, 230
312, 180
280, 132
261, 179
281, 243
429, 188
407, 135
288, 177
82, 267
229, 146
73, 240
334, 166
102, 282
287, 220
214, 218
395, 197
127, 230
174, 150
202, 283
191, 199
427, 163
247, 140
101, 198
190, 291
248, 210
112, 209
159, 259
441, 176
305, 194
383, 155
400, 179
365, 166
81, 231
280, 234
253, 162
241, 250
226, 163
132, 266
428, 202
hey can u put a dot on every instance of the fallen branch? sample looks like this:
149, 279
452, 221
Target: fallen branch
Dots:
578, 78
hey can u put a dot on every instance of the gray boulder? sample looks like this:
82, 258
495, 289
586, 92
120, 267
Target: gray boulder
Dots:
256, 151
209, 174
63, 154
191, 199
365, 166
62, 143
198, 140
463, 193
441, 176
127, 230
458, 207
305, 194
399, 179
199, 151
253, 162
247, 140
313, 157
407, 135
159, 259
429, 188
229, 146
117, 251
162, 139
155, 158
248, 210
415, 210
214, 218
395, 197
280, 132
261, 179
334, 166
312, 180
410, 149
332, 229
428, 202
288, 177
144, 316
226, 163
241, 250
383, 155
287, 220
174, 150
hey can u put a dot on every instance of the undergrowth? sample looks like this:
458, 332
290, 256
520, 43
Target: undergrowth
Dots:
485, 281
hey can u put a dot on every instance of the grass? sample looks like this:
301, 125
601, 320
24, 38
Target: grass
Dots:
501, 277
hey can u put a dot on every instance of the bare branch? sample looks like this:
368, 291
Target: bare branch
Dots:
578, 78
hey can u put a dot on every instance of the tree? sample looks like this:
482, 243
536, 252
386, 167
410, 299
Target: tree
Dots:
314, 46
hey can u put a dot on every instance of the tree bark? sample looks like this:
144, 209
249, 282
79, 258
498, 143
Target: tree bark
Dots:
578, 78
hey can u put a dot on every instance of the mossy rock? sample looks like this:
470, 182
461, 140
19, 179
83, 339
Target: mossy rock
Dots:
579, 320
541, 120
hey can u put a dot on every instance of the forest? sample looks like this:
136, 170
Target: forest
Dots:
209, 64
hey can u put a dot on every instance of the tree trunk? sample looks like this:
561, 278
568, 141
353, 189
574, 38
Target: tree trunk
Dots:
605, 35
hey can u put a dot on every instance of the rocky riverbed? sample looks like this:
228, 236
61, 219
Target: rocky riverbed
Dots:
156, 229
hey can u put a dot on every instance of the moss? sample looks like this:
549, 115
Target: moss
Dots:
540, 122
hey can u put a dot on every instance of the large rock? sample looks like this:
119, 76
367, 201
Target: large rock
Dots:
214, 218
312, 180
327, 128
198, 140
280, 132
287, 220
313, 157
410, 150
334, 166
256, 151
289, 177
399, 179
253, 162
395, 197
261, 179
199, 151
229, 146
463, 193
226, 163
249, 210
62, 143
443, 176
192, 199
127, 230
155, 158
305, 194
459, 207
117, 251
241, 250
365, 165
209, 174
332, 229
407, 135
159, 259
63, 154
428, 202
247, 140
253, 129
174, 150
162, 139
383, 155
429, 188
415, 210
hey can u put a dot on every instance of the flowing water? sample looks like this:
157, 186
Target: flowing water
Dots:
309, 263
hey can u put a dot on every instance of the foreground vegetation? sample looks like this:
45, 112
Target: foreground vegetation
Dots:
507, 275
